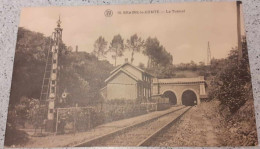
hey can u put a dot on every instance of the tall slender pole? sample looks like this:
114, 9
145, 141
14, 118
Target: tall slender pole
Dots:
208, 55
238, 3
53, 89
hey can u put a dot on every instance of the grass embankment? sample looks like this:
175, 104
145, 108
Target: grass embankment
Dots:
238, 129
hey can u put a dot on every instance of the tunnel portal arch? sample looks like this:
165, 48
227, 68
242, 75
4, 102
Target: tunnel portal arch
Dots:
189, 98
172, 97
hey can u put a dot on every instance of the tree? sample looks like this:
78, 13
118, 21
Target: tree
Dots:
37, 113
29, 63
151, 46
116, 47
157, 54
99, 47
159, 60
134, 44
22, 111
193, 66
232, 84
81, 73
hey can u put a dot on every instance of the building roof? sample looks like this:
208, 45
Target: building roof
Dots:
123, 71
121, 66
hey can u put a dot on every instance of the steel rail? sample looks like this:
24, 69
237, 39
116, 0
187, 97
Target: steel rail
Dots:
150, 138
119, 131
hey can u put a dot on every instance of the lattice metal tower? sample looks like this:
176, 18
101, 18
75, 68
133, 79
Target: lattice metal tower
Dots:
57, 38
208, 55
49, 86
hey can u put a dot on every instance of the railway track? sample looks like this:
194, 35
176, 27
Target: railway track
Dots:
138, 135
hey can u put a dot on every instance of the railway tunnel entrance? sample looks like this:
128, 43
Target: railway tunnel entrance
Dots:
172, 97
189, 98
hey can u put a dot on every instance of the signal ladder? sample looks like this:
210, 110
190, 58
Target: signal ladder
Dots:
46, 78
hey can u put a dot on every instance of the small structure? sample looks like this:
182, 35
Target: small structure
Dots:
181, 91
128, 82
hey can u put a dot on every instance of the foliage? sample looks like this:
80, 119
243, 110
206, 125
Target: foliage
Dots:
22, 111
162, 72
120, 109
159, 60
189, 66
37, 113
29, 65
241, 126
157, 55
192, 69
134, 44
82, 119
83, 76
27, 110
75, 119
116, 47
216, 66
233, 83
99, 47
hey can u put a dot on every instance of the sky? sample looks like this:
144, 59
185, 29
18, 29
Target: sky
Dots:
185, 34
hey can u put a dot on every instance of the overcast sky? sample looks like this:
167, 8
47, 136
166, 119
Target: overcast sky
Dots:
184, 35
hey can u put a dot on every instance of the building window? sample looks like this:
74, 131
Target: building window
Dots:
140, 90
52, 89
137, 90
53, 82
54, 61
54, 70
51, 110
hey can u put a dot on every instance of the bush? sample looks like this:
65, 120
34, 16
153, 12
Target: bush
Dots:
120, 109
232, 84
111, 111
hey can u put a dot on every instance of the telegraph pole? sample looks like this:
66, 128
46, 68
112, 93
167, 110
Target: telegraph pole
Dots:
240, 54
208, 55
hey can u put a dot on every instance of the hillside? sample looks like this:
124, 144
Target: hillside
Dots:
82, 74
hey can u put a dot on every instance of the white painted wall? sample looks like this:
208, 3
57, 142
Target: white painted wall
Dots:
122, 87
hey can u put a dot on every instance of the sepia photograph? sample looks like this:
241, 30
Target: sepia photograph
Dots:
154, 75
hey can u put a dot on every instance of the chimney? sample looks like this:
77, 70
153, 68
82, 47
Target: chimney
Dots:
76, 48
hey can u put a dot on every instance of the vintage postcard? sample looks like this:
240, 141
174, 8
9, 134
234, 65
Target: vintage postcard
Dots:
173, 75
